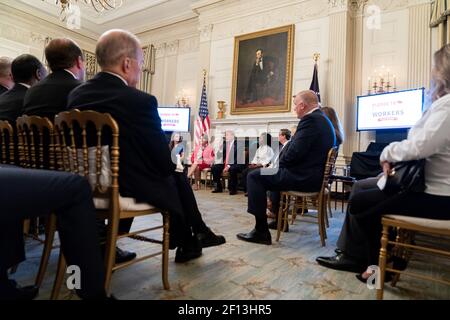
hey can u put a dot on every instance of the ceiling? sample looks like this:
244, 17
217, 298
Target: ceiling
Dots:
134, 15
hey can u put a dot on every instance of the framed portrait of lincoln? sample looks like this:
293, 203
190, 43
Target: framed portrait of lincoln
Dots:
262, 72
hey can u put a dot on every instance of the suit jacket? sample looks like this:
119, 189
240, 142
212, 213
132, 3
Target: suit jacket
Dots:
11, 103
49, 96
302, 164
145, 160
3, 89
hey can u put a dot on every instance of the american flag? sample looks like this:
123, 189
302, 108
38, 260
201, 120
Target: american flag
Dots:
202, 125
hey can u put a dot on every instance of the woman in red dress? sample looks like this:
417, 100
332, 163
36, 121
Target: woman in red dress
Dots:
202, 158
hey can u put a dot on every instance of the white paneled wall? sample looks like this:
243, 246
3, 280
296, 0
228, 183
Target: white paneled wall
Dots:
311, 37
388, 47
12, 49
221, 72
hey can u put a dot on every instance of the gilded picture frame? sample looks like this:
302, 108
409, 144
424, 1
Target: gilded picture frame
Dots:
262, 72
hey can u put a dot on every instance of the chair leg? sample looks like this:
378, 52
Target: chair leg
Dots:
383, 260
48, 246
110, 252
59, 276
284, 205
329, 203
165, 251
26, 226
321, 222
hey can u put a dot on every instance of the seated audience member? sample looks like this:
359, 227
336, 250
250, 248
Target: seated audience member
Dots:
284, 138
69, 197
26, 70
332, 115
263, 157
359, 242
202, 158
190, 207
49, 96
301, 167
6, 80
177, 151
227, 162
146, 169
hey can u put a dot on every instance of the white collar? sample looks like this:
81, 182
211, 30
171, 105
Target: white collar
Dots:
67, 70
317, 108
118, 76
25, 85
284, 144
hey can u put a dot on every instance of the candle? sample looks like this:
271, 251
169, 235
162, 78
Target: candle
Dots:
395, 83
370, 84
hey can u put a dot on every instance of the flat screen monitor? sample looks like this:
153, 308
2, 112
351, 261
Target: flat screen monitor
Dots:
175, 119
390, 111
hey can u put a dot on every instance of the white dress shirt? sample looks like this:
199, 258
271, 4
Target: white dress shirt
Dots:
71, 73
429, 139
118, 76
276, 162
25, 85
263, 155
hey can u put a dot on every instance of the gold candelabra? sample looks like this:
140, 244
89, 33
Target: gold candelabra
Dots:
382, 82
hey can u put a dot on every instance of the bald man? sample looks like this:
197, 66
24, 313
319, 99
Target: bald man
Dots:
146, 167
301, 167
6, 80
49, 97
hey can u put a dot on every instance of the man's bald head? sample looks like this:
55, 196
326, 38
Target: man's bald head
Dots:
5, 72
114, 45
120, 52
305, 101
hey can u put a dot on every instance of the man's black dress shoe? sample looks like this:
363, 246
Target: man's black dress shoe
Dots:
123, 256
274, 226
256, 237
217, 191
185, 254
341, 262
233, 192
210, 239
10, 291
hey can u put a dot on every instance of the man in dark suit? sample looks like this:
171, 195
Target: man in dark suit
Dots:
49, 97
146, 167
68, 196
6, 80
301, 166
228, 162
26, 70
284, 138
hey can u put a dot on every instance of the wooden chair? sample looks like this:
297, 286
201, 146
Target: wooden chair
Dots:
6, 143
289, 198
206, 176
76, 156
410, 225
37, 151
7, 150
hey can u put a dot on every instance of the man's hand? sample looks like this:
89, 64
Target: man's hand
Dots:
386, 168
226, 169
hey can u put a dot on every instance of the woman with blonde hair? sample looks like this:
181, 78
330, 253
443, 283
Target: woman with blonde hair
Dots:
429, 139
